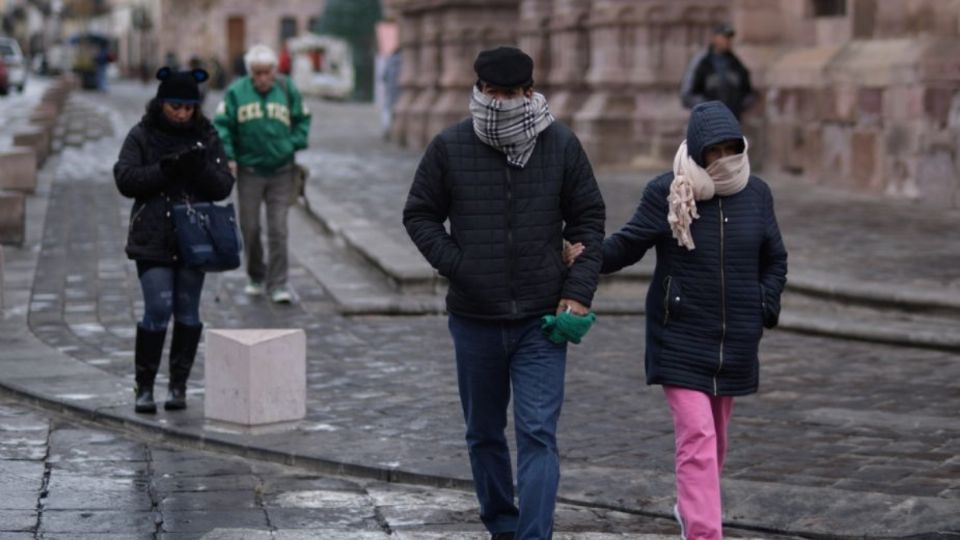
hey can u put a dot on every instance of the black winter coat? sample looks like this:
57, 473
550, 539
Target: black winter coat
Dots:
706, 308
507, 225
704, 82
151, 236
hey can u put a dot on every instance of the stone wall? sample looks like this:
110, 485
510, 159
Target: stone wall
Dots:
878, 111
857, 93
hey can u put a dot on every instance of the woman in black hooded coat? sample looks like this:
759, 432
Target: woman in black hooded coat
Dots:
173, 155
721, 269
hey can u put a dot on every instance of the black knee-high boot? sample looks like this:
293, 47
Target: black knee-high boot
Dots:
183, 351
149, 350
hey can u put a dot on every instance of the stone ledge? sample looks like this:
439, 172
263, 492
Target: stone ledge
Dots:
13, 214
18, 169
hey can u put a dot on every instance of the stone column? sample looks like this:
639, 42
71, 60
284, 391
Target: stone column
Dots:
667, 35
569, 58
606, 118
533, 37
444, 37
408, 23
427, 74
468, 27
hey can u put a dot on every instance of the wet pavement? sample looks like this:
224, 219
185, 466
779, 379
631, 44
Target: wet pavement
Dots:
67, 479
845, 438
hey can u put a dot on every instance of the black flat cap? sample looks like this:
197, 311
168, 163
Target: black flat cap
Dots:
506, 67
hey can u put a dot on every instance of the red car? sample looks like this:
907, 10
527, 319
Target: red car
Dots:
4, 79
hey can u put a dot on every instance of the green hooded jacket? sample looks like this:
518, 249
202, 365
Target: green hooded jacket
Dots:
262, 131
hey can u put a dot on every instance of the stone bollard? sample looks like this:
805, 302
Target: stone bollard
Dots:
13, 214
1, 277
36, 138
18, 169
44, 115
255, 377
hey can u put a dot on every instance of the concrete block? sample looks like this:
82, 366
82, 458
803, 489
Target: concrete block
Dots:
255, 376
13, 213
18, 169
36, 138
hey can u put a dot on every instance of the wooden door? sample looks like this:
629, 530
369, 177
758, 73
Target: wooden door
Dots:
236, 43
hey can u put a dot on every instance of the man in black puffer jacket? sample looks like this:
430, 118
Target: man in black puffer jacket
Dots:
514, 184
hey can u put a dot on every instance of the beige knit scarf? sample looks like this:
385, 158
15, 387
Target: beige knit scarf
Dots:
691, 183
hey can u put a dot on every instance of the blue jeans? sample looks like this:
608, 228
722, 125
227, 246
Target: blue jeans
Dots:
170, 291
492, 355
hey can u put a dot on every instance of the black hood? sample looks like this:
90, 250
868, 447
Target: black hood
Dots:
710, 123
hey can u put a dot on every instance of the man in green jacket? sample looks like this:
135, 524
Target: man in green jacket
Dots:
263, 122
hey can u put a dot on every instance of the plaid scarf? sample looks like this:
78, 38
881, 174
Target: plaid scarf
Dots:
510, 126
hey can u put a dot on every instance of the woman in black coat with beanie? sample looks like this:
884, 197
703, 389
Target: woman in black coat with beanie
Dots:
173, 155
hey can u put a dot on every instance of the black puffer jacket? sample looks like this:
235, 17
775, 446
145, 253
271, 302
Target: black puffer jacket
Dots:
503, 252
706, 308
138, 175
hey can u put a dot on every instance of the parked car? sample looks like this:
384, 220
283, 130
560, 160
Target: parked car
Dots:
4, 79
16, 63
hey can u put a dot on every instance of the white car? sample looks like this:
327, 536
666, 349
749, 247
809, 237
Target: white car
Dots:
16, 63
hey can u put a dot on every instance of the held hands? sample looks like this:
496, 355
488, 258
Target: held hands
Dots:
185, 163
571, 252
572, 306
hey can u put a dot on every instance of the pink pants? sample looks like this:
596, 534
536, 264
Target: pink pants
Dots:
700, 429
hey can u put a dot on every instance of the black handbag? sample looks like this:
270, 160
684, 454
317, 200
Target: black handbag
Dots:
208, 238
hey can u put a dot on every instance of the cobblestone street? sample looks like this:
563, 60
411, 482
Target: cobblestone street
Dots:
845, 439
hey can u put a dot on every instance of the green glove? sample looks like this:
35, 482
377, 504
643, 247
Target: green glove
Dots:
567, 327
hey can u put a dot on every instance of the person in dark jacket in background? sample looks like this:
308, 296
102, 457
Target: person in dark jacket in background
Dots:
172, 155
514, 184
721, 268
717, 74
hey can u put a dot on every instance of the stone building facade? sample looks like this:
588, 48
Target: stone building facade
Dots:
856, 93
151, 30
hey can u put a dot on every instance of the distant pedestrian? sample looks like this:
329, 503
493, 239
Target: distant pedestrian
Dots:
717, 74
263, 122
513, 184
721, 268
391, 90
173, 155
102, 61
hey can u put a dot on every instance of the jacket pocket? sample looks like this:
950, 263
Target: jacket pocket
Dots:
136, 215
672, 300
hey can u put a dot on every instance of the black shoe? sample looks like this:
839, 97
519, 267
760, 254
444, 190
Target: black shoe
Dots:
176, 399
502, 536
144, 402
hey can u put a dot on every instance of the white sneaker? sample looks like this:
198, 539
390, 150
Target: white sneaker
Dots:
679, 518
281, 295
253, 288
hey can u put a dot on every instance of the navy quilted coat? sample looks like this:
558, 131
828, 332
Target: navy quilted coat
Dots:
502, 254
706, 308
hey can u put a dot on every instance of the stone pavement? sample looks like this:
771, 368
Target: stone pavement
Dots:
68, 479
845, 439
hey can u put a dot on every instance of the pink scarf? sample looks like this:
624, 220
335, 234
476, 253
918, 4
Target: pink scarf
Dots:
691, 183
